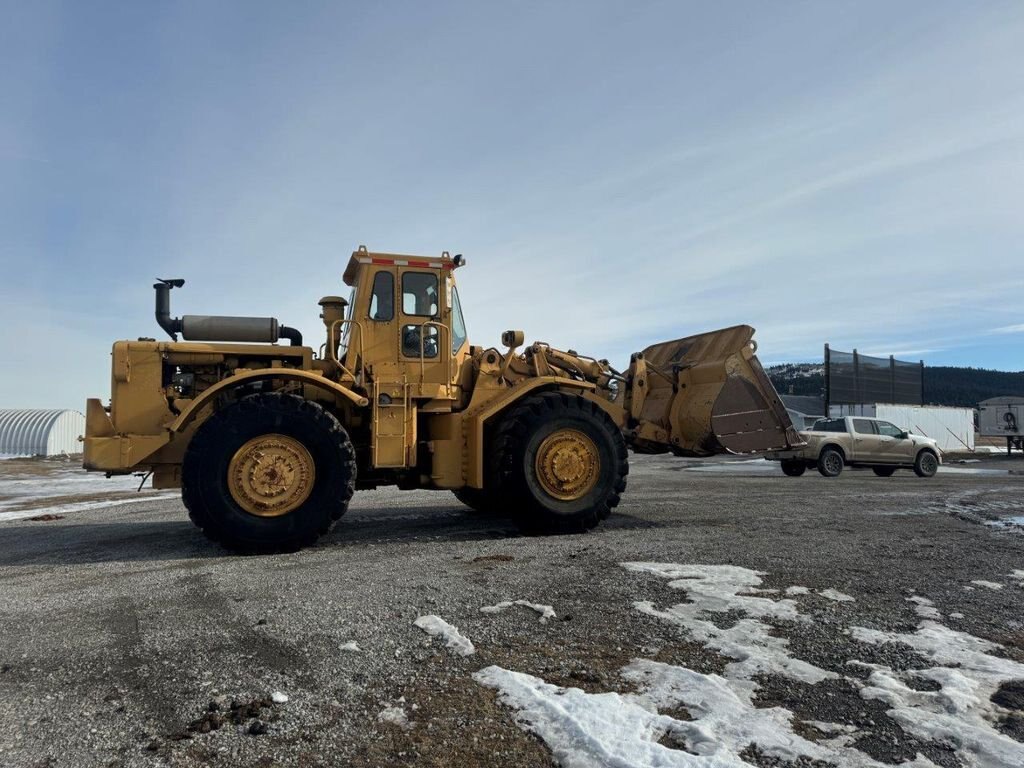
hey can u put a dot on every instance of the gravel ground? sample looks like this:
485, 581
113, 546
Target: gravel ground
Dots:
128, 639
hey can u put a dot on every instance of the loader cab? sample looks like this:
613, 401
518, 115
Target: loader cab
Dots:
404, 324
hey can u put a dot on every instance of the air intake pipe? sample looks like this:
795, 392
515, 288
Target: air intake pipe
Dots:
217, 327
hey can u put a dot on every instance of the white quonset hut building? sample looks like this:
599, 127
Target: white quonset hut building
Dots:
40, 432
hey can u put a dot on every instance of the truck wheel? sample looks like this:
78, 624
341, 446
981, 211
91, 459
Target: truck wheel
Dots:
793, 467
270, 473
926, 464
561, 463
830, 462
883, 471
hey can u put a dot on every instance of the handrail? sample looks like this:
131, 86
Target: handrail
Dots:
423, 364
334, 349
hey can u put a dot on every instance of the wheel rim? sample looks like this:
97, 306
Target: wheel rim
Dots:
271, 475
833, 463
567, 464
928, 463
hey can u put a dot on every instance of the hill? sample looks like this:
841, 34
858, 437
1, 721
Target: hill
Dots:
943, 385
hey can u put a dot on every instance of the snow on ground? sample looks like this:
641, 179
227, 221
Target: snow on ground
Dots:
721, 588
960, 713
797, 590
637, 729
352, 646
835, 596
454, 640
924, 607
1017, 575
25, 486
545, 611
394, 716
81, 506
987, 584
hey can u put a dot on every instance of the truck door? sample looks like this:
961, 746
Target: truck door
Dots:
866, 442
894, 446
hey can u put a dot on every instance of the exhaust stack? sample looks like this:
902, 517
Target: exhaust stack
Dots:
217, 327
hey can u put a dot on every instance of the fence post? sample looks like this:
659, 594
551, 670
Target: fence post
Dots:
856, 377
828, 381
892, 379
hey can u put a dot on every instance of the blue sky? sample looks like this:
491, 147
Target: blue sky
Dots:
616, 174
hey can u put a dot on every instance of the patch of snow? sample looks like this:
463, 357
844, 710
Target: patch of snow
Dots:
924, 607
394, 716
960, 713
835, 595
797, 590
722, 588
1017, 575
956, 615
351, 645
593, 730
279, 698
987, 584
831, 728
454, 640
545, 611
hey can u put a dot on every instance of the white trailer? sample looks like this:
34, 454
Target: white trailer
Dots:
1003, 417
951, 428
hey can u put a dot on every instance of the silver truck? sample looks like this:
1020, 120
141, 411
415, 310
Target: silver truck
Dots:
857, 441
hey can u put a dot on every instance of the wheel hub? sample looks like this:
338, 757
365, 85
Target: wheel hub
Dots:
271, 475
567, 464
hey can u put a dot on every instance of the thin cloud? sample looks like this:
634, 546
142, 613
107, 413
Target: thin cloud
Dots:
1019, 328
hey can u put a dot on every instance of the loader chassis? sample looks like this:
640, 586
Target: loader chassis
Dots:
269, 442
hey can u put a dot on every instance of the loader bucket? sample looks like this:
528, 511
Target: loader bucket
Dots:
708, 394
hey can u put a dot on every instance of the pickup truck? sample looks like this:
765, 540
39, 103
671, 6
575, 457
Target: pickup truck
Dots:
855, 441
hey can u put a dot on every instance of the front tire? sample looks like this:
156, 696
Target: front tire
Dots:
884, 471
793, 467
830, 463
269, 473
926, 464
561, 463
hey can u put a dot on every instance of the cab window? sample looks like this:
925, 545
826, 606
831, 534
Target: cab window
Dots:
458, 324
829, 425
420, 338
889, 430
419, 294
864, 426
382, 300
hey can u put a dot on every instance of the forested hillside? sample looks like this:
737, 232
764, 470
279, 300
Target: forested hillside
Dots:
943, 385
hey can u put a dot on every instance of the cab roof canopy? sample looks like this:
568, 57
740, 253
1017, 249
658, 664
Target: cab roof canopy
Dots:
363, 256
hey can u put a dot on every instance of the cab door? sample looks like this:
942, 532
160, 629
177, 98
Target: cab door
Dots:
896, 448
424, 339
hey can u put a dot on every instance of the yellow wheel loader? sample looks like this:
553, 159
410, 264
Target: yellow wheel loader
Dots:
268, 442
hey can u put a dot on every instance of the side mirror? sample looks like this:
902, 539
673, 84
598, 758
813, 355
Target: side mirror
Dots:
904, 435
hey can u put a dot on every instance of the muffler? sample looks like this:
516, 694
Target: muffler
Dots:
217, 327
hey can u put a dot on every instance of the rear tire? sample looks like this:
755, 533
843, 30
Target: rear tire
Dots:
561, 463
227, 454
926, 464
830, 463
793, 467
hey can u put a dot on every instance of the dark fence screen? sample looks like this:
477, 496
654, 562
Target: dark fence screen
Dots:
852, 378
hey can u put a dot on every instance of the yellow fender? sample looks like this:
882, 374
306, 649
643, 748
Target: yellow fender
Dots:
263, 374
474, 419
